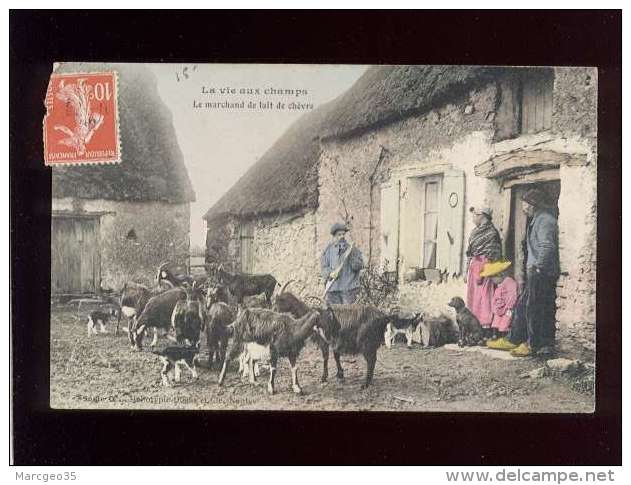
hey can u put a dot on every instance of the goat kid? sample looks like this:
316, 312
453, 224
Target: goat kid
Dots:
282, 334
250, 360
101, 318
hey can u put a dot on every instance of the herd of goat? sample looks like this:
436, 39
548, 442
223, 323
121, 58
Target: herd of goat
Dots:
245, 316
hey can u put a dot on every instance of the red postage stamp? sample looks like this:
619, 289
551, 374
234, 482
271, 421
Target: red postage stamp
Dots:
81, 122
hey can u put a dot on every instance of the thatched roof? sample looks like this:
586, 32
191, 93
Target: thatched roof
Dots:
152, 166
285, 179
385, 94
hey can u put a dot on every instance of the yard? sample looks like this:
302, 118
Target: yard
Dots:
102, 372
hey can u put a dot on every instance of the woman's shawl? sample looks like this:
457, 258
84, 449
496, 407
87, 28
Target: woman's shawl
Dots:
485, 241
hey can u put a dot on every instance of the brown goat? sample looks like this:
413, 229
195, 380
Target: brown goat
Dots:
287, 302
355, 329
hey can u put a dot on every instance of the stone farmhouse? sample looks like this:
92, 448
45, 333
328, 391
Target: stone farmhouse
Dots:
401, 156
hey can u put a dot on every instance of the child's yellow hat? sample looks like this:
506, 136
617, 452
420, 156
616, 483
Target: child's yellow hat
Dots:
494, 268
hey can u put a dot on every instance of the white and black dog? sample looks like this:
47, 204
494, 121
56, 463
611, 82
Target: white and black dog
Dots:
403, 322
173, 357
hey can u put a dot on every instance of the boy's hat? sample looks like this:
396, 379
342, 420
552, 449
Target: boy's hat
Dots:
494, 268
338, 226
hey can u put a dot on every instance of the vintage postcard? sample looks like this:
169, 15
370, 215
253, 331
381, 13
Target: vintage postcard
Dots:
322, 237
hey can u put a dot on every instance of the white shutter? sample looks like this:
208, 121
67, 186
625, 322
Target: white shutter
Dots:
390, 226
451, 223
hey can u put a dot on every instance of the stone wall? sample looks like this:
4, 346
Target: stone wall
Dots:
162, 234
284, 247
575, 120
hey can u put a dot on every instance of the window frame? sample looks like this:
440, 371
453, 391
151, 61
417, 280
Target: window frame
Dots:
427, 180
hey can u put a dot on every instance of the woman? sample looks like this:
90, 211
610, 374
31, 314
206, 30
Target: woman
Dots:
484, 247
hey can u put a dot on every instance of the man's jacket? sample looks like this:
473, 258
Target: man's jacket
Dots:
348, 278
543, 243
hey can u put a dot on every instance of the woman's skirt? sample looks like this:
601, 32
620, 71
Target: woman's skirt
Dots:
479, 291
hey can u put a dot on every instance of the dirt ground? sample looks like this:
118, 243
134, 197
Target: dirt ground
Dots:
102, 372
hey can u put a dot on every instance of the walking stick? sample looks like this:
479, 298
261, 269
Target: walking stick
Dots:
336, 272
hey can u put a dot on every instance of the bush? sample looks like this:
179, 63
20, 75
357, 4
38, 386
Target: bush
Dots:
378, 287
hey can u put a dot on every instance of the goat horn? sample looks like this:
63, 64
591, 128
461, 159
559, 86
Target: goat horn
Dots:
285, 287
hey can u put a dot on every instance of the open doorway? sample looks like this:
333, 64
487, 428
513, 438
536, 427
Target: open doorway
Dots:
515, 247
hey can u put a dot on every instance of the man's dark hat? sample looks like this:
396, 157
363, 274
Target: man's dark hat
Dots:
537, 198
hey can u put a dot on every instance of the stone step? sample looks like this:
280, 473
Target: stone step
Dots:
494, 354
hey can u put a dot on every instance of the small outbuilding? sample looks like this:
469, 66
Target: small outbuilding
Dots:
115, 223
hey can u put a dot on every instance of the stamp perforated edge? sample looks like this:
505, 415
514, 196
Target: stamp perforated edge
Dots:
80, 162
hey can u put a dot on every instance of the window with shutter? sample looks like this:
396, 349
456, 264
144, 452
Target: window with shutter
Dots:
420, 220
430, 223
536, 106
246, 237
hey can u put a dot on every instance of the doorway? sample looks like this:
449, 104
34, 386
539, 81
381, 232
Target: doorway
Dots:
515, 245
75, 256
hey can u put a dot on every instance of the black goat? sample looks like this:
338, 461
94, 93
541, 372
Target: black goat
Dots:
355, 329
169, 276
282, 334
242, 284
220, 316
189, 317
287, 302
158, 313
133, 299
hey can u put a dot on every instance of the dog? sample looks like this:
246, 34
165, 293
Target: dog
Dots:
173, 357
100, 317
402, 323
469, 329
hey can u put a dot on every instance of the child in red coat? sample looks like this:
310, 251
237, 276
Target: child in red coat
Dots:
504, 297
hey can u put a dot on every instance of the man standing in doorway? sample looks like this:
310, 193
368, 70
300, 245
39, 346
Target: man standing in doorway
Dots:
534, 328
341, 263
